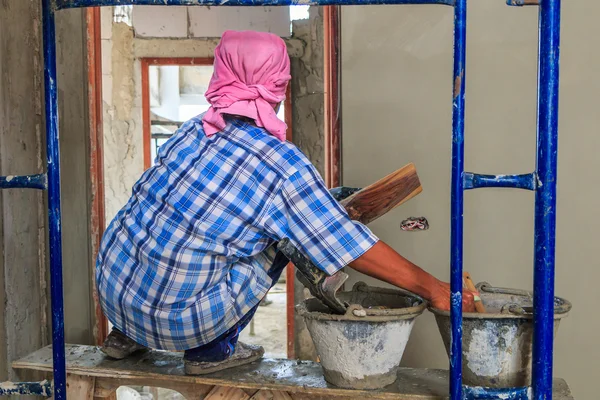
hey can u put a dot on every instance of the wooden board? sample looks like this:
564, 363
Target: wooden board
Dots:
384, 195
227, 393
271, 395
80, 387
299, 379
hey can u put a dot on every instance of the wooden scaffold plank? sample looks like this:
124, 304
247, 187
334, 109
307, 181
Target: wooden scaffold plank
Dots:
261, 380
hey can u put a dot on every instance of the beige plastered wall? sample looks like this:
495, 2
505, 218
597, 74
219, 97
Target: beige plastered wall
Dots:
397, 82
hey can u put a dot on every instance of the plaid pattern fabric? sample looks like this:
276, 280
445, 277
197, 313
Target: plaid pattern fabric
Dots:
187, 256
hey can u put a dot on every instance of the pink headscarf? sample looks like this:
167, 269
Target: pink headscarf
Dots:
251, 73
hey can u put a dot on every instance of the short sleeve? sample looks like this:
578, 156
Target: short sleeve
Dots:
305, 213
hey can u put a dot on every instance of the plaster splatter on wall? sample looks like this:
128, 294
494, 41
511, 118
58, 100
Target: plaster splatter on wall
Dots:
414, 224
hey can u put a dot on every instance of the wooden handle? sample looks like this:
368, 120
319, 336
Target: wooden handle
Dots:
384, 195
469, 285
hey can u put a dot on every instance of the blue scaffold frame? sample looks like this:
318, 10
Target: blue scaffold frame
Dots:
542, 181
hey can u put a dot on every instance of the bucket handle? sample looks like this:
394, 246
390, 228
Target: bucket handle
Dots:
561, 306
516, 309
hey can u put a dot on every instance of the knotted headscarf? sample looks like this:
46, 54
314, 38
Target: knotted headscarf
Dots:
251, 73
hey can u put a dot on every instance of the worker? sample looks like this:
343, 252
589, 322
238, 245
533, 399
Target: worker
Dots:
185, 263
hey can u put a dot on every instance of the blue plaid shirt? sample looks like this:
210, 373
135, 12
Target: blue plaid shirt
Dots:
186, 258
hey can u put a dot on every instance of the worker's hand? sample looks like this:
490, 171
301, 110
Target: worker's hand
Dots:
440, 298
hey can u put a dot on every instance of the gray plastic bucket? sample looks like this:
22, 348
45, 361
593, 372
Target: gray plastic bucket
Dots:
362, 349
496, 348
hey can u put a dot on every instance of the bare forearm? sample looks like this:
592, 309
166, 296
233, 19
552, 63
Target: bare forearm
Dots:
384, 263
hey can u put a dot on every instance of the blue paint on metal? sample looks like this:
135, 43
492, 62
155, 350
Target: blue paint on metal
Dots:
54, 212
521, 3
61, 4
545, 198
475, 181
24, 182
543, 181
479, 393
43, 388
456, 197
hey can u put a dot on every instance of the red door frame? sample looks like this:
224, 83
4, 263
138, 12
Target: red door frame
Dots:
146, 63
96, 167
332, 76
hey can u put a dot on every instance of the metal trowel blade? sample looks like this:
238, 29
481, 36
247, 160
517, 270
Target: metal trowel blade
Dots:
325, 290
329, 288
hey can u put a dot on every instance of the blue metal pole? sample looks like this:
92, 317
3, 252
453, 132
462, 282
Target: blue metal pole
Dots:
43, 388
38, 181
476, 181
545, 198
456, 197
54, 212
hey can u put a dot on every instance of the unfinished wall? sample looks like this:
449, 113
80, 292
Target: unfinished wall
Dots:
308, 128
308, 89
397, 82
24, 317
22, 238
123, 143
203, 22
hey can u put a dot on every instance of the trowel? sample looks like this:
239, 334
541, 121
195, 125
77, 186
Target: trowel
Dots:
363, 205
321, 285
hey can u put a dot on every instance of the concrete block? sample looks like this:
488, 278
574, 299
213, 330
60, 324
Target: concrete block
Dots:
205, 22
153, 21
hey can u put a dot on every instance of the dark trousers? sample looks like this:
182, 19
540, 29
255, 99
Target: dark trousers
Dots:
222, 347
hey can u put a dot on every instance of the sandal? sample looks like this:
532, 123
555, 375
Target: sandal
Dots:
118, 346
243, 354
